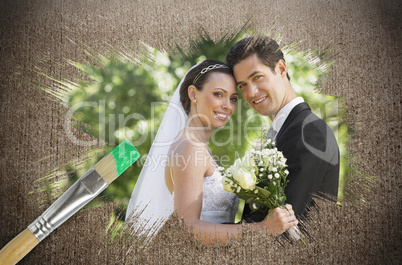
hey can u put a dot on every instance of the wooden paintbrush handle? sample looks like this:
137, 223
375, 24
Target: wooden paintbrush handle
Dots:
17, 248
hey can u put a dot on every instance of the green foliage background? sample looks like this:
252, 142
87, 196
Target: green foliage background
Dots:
129, 93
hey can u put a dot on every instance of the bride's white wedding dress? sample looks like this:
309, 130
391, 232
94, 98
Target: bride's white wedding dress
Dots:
218, 205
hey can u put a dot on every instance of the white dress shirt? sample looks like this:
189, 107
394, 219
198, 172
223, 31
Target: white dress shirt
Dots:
283, 113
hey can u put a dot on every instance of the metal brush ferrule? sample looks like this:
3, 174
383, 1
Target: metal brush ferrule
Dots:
78, 195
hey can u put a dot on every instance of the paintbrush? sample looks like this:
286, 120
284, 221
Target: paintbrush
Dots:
79, 194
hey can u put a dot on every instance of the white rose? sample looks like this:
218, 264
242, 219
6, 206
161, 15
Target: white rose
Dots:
245, 179
276, 175
234, 168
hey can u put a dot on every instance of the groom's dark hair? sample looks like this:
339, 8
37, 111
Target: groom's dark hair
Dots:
266, 49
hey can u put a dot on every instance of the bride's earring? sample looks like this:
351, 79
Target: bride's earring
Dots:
195, 100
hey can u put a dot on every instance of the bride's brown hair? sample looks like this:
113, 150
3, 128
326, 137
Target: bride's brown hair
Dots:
198, 79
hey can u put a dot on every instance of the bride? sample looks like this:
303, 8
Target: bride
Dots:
180, 173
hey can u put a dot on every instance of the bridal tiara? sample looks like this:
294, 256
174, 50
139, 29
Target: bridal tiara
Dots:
207, 69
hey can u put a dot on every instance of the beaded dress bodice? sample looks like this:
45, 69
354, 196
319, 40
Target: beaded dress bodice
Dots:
218, 205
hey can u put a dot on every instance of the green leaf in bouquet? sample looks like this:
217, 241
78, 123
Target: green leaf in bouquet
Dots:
245, 197
282, 199
250, 200
264, 192
272, 188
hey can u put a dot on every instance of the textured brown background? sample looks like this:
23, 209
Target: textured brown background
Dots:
367, 36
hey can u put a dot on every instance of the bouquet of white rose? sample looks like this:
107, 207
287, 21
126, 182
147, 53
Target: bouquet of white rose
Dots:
259, 178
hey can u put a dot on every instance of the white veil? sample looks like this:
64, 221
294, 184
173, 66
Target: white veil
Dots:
150, 206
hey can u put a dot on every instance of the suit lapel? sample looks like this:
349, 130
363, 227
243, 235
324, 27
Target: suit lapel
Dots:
292, 115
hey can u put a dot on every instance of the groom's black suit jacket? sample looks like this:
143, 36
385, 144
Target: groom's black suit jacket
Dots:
312, 157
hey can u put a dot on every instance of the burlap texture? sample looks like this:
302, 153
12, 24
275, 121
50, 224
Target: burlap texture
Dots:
367, 37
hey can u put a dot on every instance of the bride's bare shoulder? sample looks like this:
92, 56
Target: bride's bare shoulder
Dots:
185, 146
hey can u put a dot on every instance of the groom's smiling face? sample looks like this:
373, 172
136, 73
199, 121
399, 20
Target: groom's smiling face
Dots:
262, 88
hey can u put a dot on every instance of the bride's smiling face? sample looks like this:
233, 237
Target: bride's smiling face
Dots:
216, 102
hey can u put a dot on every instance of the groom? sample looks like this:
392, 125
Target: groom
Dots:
306, 141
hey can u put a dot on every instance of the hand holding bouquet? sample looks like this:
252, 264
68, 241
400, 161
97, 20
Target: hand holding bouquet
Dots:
260, 178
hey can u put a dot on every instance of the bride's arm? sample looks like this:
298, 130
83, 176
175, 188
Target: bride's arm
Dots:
188, 168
